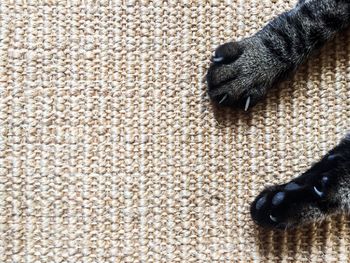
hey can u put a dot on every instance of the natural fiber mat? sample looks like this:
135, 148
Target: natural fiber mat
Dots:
110, 150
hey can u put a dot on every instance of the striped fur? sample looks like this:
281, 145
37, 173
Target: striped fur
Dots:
241, 74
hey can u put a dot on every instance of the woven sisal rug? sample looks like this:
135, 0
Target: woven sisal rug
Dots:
110, 150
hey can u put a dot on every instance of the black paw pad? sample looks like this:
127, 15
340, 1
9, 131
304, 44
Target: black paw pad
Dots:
292, 186
278, 198
227, 53
332, 157
307, 197
331, 161
261, 202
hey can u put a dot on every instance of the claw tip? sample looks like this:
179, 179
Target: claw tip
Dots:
247, 103
318, 192
223, 98
218, 59
274, 219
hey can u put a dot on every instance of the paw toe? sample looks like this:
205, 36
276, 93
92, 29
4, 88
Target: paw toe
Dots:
333, 157
264, 211
292, 186
261, 202
272, 209
227, 53
278, 198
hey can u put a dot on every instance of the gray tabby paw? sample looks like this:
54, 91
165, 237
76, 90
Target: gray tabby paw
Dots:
242, 72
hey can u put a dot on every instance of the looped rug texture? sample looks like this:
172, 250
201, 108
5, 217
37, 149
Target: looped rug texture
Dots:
110, 150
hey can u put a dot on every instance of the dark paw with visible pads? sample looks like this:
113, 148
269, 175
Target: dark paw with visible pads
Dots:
307, 198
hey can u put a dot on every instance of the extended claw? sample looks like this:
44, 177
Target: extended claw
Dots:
318, 192
223, 98
274, 219
247, 103
218, 59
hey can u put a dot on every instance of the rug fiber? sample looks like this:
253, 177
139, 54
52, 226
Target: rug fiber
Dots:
110, 150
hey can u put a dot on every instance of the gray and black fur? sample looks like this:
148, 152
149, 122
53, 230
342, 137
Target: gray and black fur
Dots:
321, 191
241, 74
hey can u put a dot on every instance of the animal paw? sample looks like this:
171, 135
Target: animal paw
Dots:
310, 197
242, 72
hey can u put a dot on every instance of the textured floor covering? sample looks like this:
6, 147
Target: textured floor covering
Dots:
111, 152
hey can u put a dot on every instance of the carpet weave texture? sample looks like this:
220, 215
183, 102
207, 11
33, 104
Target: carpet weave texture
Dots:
110, 150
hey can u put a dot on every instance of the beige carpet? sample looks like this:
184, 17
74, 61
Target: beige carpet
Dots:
110, 150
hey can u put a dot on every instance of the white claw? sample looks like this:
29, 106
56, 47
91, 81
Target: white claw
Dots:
223, 99
247, 103
318, 192
218, 59
274, 219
